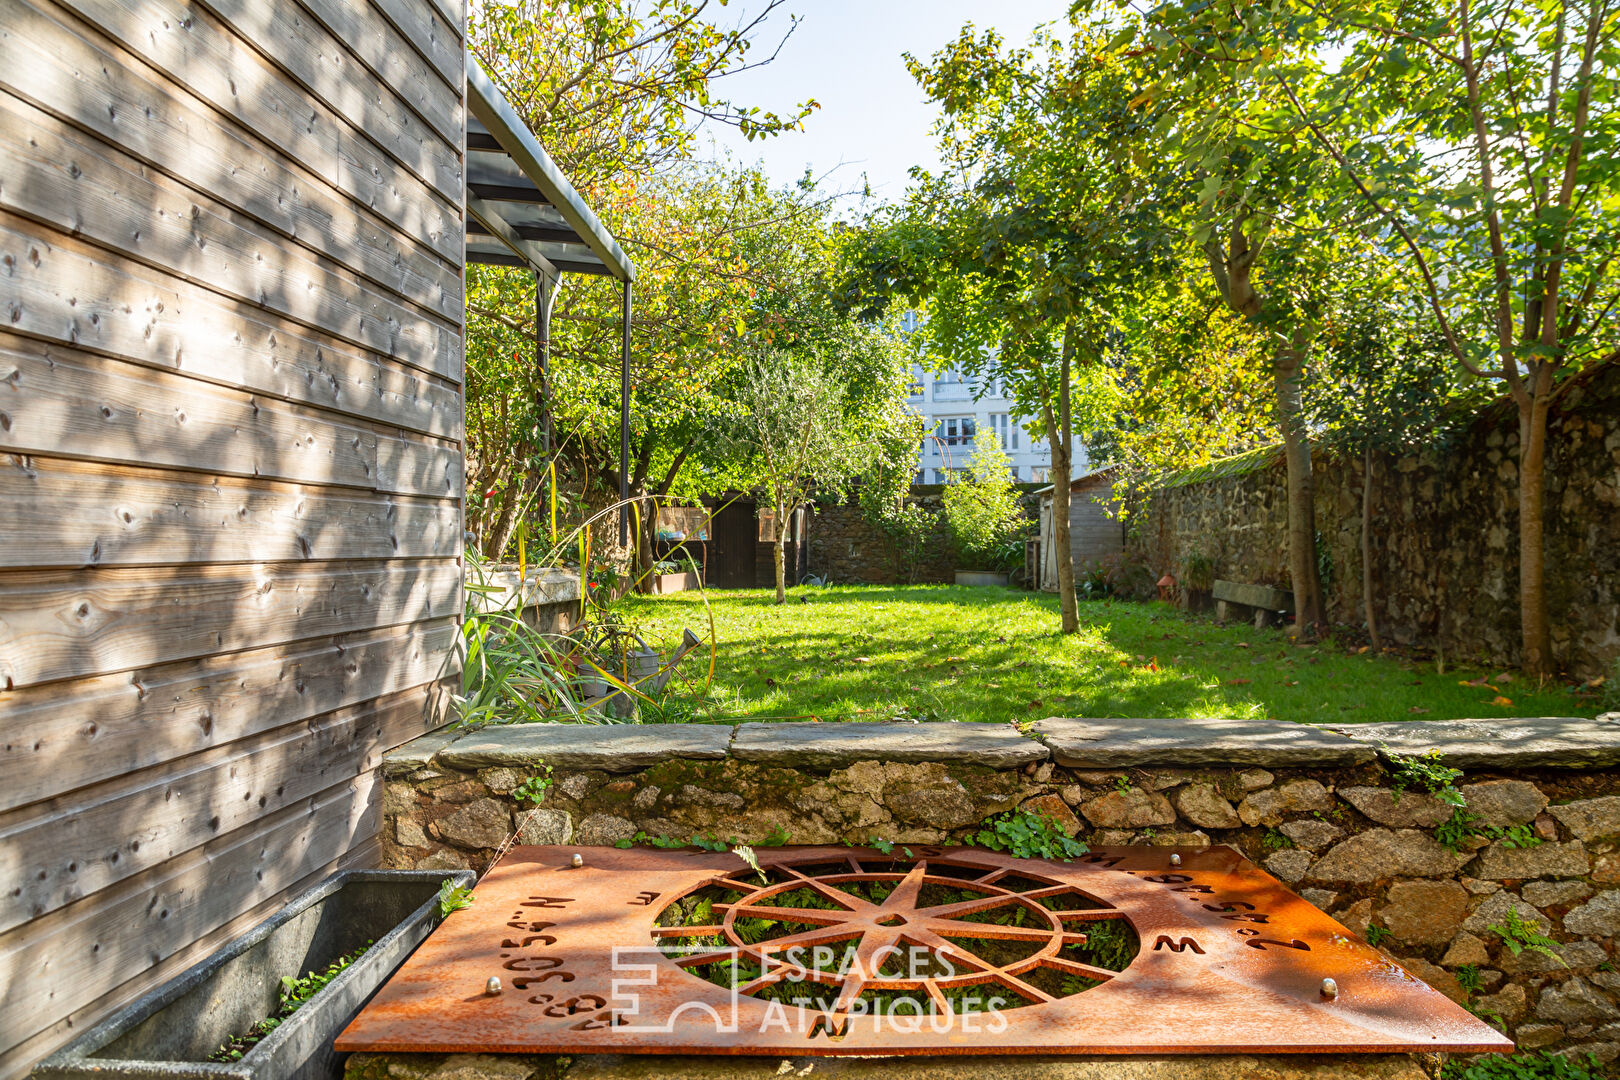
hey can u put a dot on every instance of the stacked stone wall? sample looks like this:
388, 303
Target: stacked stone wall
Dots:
847, 547
1444, 534
1321, 811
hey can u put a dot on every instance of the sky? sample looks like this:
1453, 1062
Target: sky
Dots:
846, 54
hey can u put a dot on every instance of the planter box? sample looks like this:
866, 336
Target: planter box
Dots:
982, 577
169, 1033
672, 583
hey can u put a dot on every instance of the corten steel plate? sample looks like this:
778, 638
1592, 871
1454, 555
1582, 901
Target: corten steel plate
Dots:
1229, 960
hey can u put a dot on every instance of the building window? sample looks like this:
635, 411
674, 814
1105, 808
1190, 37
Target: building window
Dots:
956, 430
1013, 471
1039, 474
1006, 431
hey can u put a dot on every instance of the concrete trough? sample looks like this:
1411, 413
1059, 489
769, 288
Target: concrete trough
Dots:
170, 1033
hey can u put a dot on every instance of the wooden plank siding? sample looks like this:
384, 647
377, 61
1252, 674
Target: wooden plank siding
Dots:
231, 468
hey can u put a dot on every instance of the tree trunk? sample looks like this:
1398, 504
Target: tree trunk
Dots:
1062, 464
501, 535
1287, 371
1068, 607
1366, 549
644, 556
1537, 635
780, 553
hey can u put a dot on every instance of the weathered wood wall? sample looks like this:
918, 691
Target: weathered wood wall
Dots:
1095, 533
230, 466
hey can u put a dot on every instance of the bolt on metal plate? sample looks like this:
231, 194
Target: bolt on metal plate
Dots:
927, 950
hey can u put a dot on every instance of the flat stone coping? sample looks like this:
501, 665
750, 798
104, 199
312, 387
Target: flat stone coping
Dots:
418, 753
500, 590
1567, 742
1104, 744
931, 1067
838, 745
613, 747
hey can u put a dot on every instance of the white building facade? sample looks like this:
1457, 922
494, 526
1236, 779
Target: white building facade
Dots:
957, 413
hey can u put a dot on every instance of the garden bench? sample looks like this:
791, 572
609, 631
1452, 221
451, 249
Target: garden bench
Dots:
1264, 602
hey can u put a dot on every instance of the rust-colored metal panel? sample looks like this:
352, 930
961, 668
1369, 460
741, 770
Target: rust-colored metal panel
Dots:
629, 953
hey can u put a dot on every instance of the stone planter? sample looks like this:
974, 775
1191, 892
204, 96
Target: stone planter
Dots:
983, 577
673, 583
170, 1032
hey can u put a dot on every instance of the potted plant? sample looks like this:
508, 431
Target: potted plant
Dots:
984, 519
267, 1005
675, 575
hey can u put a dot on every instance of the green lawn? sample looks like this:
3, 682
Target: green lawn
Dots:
941, 652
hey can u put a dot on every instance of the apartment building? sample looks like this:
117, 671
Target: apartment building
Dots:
958, 410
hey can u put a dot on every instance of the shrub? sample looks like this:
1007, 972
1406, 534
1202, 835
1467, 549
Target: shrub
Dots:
982, 512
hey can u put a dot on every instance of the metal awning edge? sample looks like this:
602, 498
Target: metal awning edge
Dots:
496, 114
502, 231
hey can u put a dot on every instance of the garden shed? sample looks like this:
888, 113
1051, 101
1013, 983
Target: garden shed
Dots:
1095, 531
232, 246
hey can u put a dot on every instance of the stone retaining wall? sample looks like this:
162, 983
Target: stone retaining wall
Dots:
1318, 807
847, 547
1445, 534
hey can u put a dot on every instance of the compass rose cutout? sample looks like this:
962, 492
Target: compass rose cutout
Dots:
876, 931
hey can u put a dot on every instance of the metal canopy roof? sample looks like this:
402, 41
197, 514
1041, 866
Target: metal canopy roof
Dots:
521, 209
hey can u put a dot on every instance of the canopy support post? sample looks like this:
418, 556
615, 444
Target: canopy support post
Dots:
545, 296
624, 424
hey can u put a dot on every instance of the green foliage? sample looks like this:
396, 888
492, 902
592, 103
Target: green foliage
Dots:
908, 527
511, 672
1426, 771
1544, 1065
1027, 835
1249, 461
533, 790
1468, 977
1458, 829
453, 897
1519, 935
1377, 935
1275, 841
981, 511
653, 841
1198, 571
295, 991
800, 431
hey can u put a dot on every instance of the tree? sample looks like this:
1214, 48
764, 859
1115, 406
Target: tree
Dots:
1480, 138
981, 510
1023, 263
615, 89
792, 424
1278, 241
1380, 387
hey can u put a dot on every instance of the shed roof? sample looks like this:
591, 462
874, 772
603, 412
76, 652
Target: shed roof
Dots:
521, 209
1082, 478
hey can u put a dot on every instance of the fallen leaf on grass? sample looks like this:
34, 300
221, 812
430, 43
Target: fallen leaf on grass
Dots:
1500, 700
1238, 682
1417, 709
955, 659
861, 660
1241, 644
1035, 704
